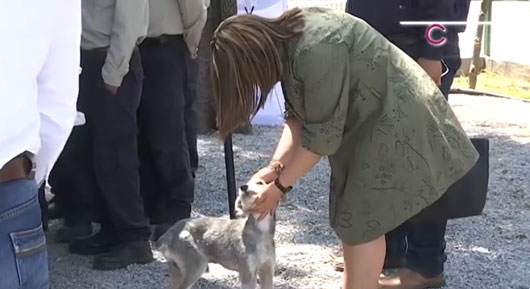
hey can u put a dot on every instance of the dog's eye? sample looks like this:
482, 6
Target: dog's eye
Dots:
260, 182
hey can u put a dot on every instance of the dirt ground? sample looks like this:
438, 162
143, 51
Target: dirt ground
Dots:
486, 252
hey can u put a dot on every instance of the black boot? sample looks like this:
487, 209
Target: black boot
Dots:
68, 234
123, 255
100, 243
53, 212
160, 230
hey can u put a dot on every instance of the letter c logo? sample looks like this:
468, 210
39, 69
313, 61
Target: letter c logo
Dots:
429, 37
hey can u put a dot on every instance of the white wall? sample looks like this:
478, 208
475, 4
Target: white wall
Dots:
510, 27
510, 31
332, 4
272, 112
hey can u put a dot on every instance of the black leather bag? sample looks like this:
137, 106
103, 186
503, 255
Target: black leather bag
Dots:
466, 197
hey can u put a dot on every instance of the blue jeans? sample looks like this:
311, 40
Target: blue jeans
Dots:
23, 254
421, 245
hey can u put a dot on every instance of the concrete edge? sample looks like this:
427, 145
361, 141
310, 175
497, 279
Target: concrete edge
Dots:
504, 68
485, 93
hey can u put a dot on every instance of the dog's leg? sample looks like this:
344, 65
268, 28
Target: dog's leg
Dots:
266, 275
193, 272
248, 278
175, 275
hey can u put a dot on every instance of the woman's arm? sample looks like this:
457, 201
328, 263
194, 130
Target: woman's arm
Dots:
289, 141
302, 161
297, 161
285, 149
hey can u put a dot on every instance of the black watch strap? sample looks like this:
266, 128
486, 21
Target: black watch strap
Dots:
280, 187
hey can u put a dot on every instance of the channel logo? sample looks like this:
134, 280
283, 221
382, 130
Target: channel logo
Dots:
435, 26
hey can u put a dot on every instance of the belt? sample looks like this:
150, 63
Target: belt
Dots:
161, 39
99, 50
104, 50
20, 167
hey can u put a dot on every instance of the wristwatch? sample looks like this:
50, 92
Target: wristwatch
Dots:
280, 187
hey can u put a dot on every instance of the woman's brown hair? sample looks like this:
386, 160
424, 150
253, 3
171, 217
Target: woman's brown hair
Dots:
247, 60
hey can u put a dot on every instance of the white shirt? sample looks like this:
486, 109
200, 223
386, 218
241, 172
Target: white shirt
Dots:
119, 25
175, 17
39, 74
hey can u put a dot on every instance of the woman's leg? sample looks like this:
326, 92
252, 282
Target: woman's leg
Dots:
363, 263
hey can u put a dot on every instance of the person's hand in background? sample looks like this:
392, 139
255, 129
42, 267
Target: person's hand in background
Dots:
194, 54
433, 69
111, 89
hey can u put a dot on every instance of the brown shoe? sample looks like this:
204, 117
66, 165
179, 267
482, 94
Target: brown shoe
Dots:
408, 279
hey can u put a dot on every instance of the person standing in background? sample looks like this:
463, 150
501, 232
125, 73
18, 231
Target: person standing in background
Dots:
417, 248
72, 185
167, 181
110, 91
190, 112
39, 70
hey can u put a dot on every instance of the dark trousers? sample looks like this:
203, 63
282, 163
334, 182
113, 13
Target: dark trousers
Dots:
109, 143
167, 181
190, 111
422, 244
72, 179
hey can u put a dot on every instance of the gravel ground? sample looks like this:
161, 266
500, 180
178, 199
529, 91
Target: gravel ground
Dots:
490, 251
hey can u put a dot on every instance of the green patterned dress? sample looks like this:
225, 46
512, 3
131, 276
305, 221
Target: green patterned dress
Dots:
393, 142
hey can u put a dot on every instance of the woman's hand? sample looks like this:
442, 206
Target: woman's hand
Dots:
266, 174
268, 198
433, 69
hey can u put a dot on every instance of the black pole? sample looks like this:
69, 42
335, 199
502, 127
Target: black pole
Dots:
230, 176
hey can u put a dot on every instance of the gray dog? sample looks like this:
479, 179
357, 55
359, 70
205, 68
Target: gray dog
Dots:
245, 245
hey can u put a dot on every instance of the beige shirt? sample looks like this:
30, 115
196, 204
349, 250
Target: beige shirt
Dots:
119, 25
173, 17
